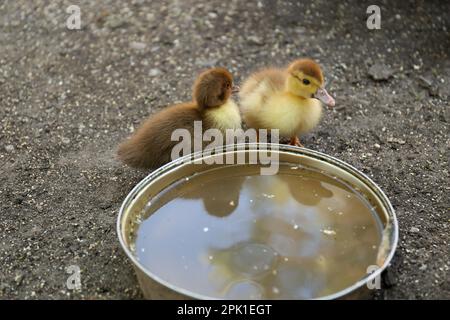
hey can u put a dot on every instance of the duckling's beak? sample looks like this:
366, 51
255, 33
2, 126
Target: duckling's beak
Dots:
235, 89
323, 96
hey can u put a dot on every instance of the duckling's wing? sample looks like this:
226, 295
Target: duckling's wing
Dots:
255, 93
151, 145
265, 80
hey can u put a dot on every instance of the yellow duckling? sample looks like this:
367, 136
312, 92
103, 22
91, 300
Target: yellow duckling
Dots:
287, 100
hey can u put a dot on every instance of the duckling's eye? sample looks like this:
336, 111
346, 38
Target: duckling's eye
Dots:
306, 82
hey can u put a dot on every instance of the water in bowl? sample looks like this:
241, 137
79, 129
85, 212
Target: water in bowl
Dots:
231, 233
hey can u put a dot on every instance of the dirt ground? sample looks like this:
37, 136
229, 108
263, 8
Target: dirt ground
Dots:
67, 97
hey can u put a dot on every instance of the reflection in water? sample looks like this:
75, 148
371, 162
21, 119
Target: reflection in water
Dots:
230, 233
217, 202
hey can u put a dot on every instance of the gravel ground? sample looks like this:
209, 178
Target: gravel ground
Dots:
67, 97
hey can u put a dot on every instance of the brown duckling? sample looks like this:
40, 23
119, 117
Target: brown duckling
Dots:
151, 145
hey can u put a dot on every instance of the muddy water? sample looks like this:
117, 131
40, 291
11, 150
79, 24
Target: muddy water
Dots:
231, 233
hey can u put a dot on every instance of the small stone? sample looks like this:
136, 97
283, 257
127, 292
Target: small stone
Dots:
429, 85
65, 140
81, 128
254, 40
115, 22
105, 204
212, 15
425, 82
380, 72
396, 140
154, 72
377, 146
9, 148
137, 45
18, 279
414, 229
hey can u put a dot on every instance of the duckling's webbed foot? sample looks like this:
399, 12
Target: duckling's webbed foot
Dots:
295, 141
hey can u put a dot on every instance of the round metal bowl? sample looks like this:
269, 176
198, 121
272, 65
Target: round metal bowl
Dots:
155, 288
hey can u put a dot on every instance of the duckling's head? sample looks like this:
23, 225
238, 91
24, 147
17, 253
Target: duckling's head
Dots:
213, 88
305, 79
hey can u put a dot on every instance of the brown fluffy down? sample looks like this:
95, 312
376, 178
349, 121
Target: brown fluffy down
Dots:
151, 145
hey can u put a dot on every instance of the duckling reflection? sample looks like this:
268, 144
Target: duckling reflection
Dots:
306, 190
221, 199
279, 189
285, 257
267, 242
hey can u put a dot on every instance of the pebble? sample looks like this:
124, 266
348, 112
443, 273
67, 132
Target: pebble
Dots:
254, 40
18, 279
137, 45
9, 148
396, 140
212, 15
425, 82
414, 229
380, 72
154, 72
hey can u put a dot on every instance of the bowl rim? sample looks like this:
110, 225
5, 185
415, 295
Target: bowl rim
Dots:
274, 147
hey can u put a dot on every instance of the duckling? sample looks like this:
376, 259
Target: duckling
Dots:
151, 145
288, 100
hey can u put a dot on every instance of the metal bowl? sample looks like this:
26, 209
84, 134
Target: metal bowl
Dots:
154, 287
